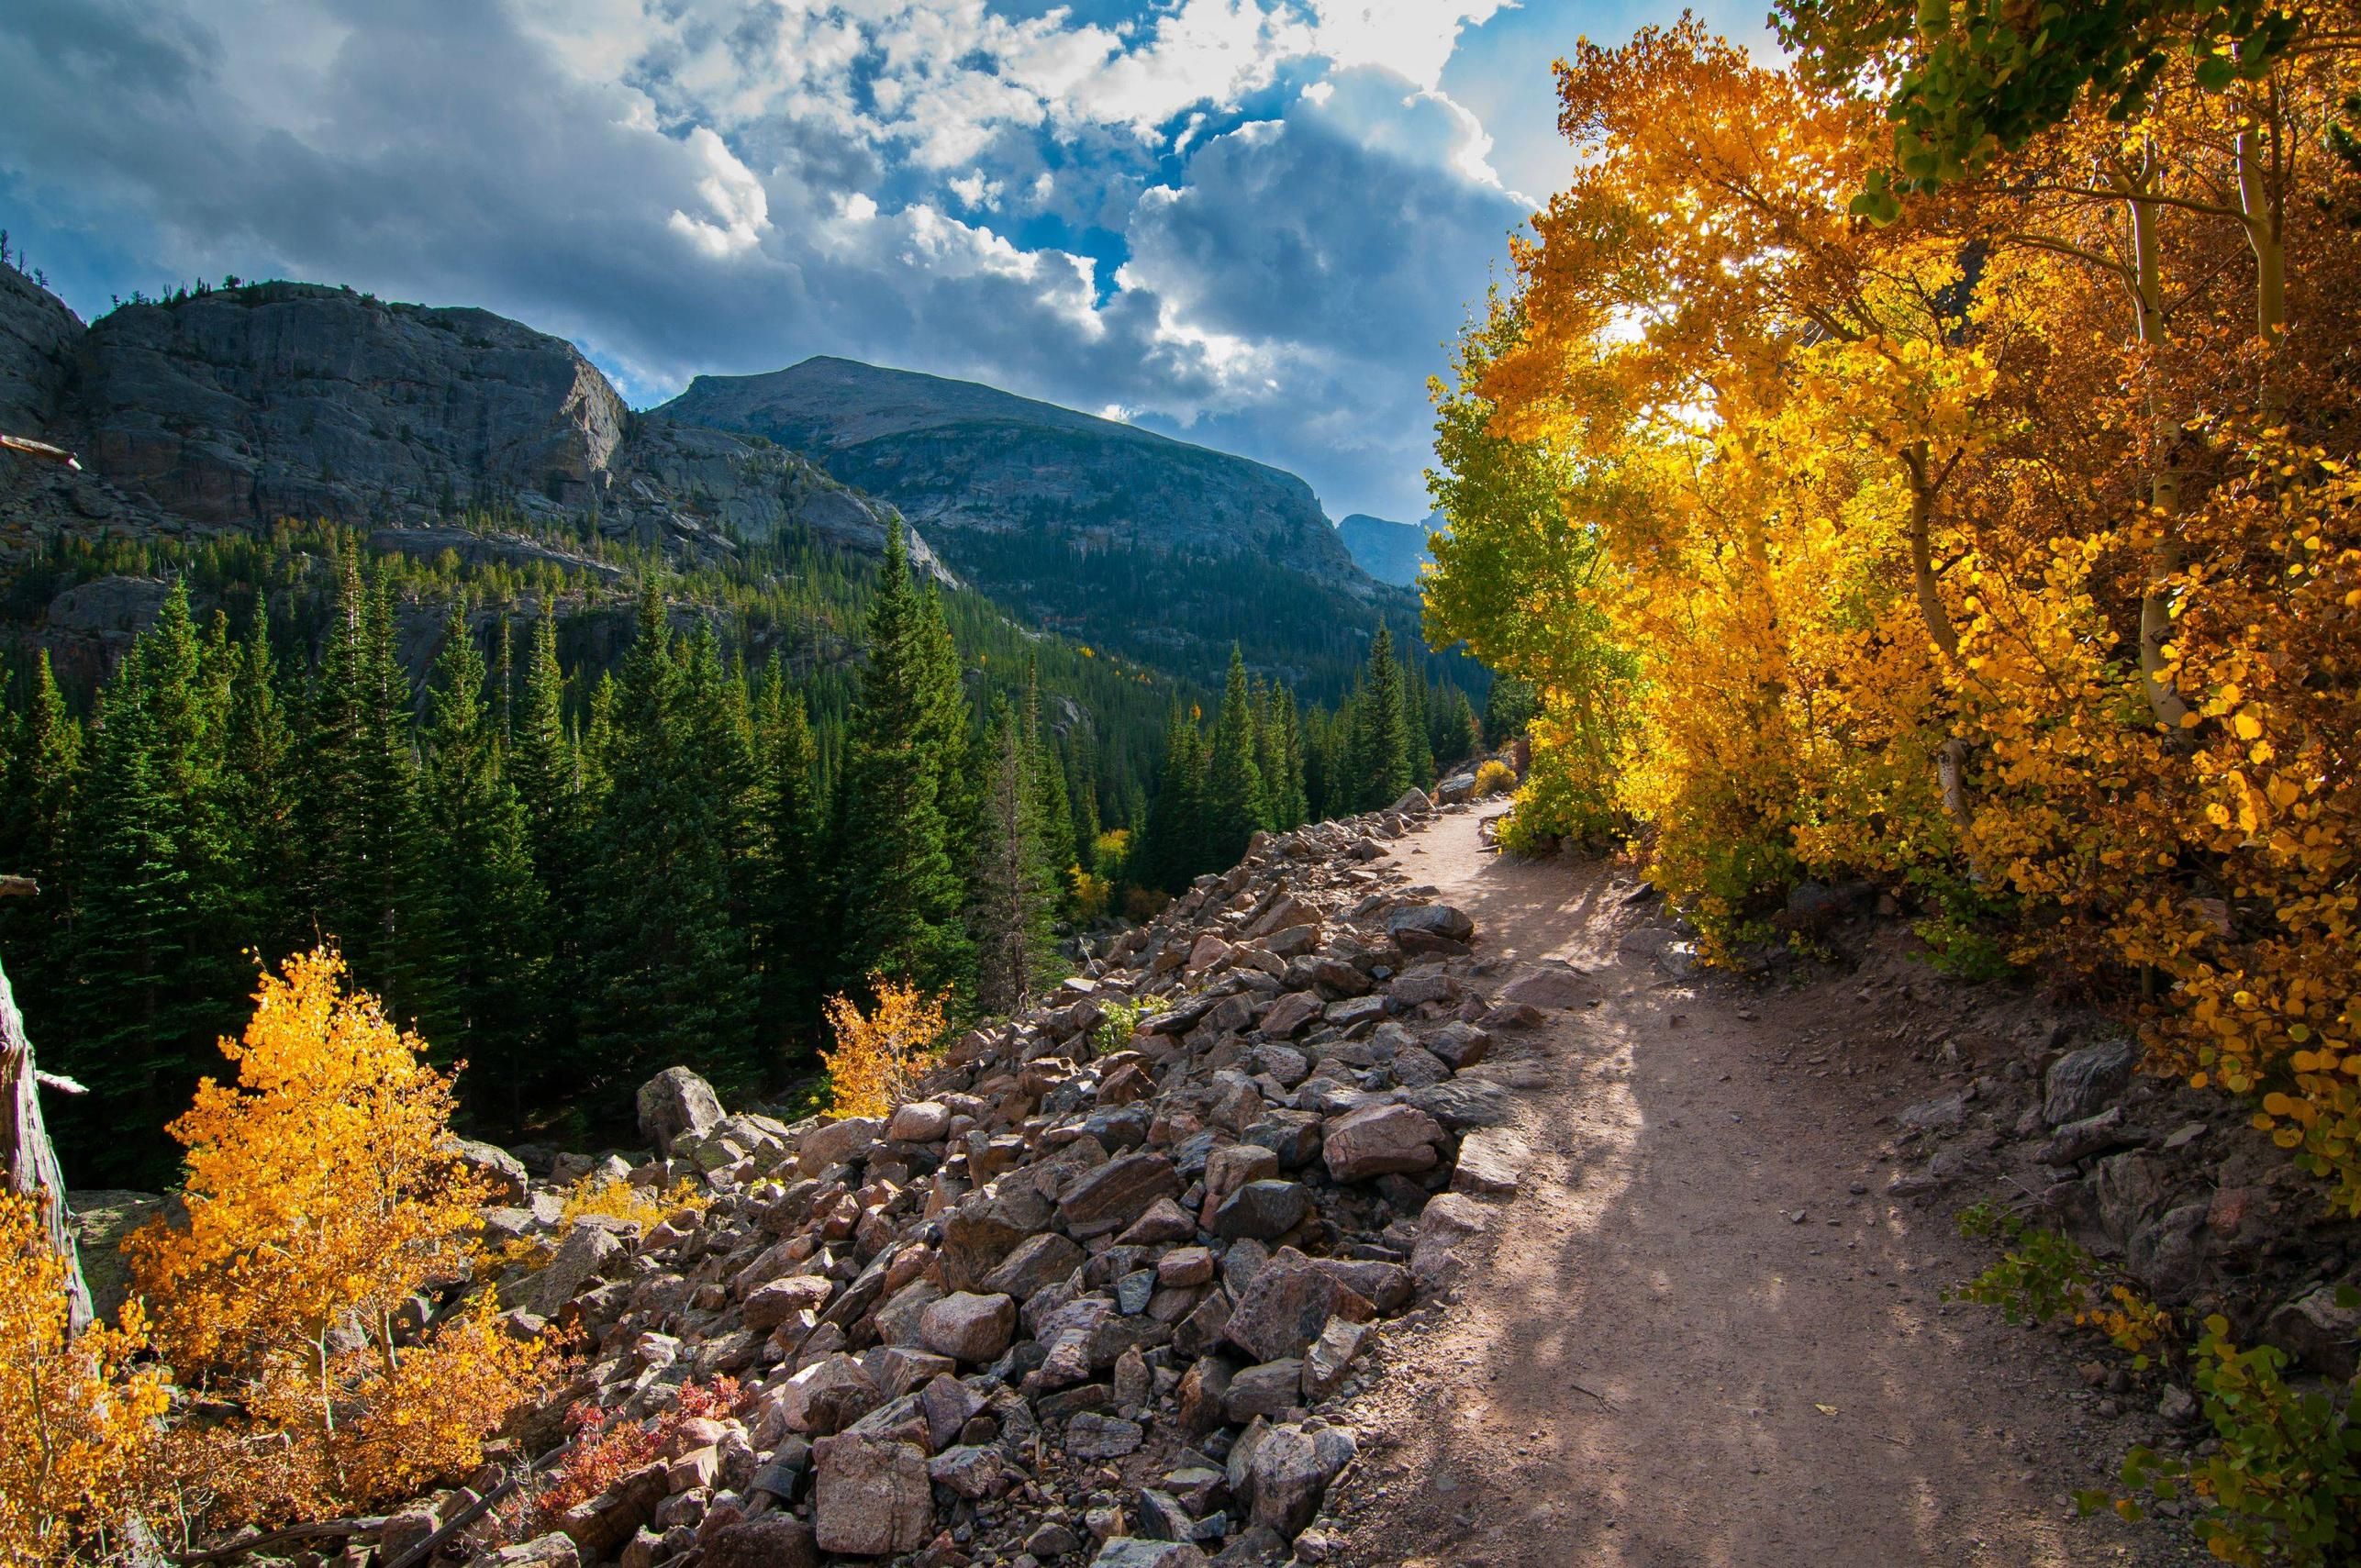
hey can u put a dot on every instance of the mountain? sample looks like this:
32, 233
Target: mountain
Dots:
228, 409
1131, 540
1389, 551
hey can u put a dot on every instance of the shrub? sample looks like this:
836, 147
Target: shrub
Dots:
606, 1448
80, 1422
321, 1200
880, 1054
1494, 777
2044, 1275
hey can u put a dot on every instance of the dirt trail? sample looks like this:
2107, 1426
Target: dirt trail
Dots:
1701, 1335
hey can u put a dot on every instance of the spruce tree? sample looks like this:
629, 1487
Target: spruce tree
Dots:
1175, 833
1233, 783
1016, 884
261, 796
1052, 806
667, 978
1414, 723
491, 959
1291, 806
897, 882
42, 775
795, 926
1380, 761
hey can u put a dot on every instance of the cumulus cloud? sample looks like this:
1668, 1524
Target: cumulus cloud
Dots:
1253, 221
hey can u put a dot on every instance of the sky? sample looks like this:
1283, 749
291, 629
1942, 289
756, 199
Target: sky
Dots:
1253, 224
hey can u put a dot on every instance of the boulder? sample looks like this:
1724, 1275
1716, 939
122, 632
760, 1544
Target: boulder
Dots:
774, 1540
768, 1306
1038, 1262
1459, 1045
677, 1102
872, 1497
828, 1396
555, 1550
1291, 1013
969, 1328
1116, 1194
2319, 1330
1448, 1219
1331, 1356
599, 1526
503, 1174
1093, 1436
1492, 1162
2081, 1083
1132, 1551
1414, 802
1287, 1305
1550, 985
1376, 1139
587, 1251
1431, 928
1290, 1472
1264, 1210
920, 1121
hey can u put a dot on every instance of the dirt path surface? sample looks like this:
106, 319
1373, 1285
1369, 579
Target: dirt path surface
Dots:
1701, 1334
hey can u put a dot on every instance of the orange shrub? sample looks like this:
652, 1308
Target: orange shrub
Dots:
880, 1054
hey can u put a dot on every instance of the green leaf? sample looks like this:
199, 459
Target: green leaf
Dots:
2214, 73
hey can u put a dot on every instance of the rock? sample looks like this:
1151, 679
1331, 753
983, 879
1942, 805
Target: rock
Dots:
969, 1328
2176, 1405
971, 1470
1431, 928
1291, 1013
1940, 1113
674, 1103
919, 1121
1414, 802
1090, 1436
501, 1173
768, 1306
1271, 1388
555, 1550
828, 1396
2081, 1083
1207, 952
1492, 1163
587, 1253
1132, 1551
1185, 1266
407, 1528
1446, 1222
2079, 1140
1549, 985
835, 1142
870, 1497
1287, 1306
1116, 1194
1038, 1262
1379, 1138
774, 1540
1455, 789
1291, 1471
1331, 1357
1459, 1045
2317, 1331
600, 1526
1264, 1211
1164, 1221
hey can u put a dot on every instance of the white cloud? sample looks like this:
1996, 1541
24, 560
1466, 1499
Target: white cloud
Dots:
739, 210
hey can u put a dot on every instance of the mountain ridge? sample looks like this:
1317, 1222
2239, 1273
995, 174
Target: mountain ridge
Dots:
1387, 551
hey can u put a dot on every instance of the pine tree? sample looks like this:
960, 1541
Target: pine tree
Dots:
898, 884
1016, 883
368, 889
261, 796
1379, 760
667, 976
44, 778
1414, 723
1290, 805
1052, 806
796, 925
491, 959
1234, 805
1175, 848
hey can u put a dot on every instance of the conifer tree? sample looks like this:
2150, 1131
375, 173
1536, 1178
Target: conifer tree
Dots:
1175, 848
1052, 806
368, 887
1291, 807
491, 961
42, 774
1016, 883
897, 886
1379, 759
667, 976
261, 795
1234, 805
796, 925
1414, 723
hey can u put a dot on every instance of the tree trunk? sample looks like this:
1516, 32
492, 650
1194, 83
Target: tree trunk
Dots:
30, 1164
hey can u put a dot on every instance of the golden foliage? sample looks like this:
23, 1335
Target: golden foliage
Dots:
80, 1421
2008, 548
322, 1202
1495, 776
879, 1055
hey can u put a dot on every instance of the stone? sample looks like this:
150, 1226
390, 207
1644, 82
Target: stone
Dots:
1164, 1221
674, 1103
2079, 1140
1378, 1138
1039, 1261
1116, 1194
1092, 1436
1233, 1165
1271, 1388
828, 1396
948, 1405
556, 1549
838, 1142
972, 1470
501, 1173
588, 1252
919, 1121
1942, 1114
969, 1328
1447, 1222
1416, 1068
774, 1540
1331, 1355
1261, 1211
599, 1526
1557, 986
1134, 1552
1290, 1473
1429, 983
1414, 802
1185, 1266
2319, 1331
1431, 928
870, 1497
1291, 1015
989, 1225
1207, 952
1287, 1306
406, 1529
769, 1306
2081, 1083
1492, 1163
1460, 1046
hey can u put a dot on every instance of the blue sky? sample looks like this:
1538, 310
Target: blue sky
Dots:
1250, 223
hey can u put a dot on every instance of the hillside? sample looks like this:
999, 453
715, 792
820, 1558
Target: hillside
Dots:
1158, 548
1389, 551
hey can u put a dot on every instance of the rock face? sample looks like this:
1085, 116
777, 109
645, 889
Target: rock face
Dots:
235, 407
673, 1102
1004, 484
1391, 552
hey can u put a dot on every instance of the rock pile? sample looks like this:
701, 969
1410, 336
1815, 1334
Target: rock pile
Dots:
1098, 1294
